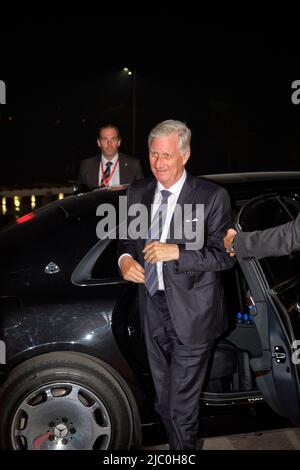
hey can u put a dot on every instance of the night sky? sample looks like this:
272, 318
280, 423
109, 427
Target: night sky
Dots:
64, 79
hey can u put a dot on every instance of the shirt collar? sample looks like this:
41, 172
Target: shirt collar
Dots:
176, 188
104, 160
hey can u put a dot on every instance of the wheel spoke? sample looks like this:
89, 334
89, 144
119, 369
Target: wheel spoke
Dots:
102, 430
73, 395
98, 429
93, 408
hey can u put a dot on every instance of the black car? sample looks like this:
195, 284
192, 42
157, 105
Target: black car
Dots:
74, 372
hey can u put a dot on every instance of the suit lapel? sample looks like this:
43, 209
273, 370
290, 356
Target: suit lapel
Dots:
186, 196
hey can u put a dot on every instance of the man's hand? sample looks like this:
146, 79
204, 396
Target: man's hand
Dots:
157, 251
228, 240
132, 270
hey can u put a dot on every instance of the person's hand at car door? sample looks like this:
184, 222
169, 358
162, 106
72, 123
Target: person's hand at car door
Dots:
229, 241
132, 270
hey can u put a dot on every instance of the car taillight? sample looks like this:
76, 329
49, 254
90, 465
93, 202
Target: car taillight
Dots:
26, 218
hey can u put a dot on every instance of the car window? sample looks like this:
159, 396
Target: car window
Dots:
293, 204
263, 213
106, 266
269, 212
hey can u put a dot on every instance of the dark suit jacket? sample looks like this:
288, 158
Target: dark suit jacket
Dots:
130, 170
276, 241
192, 284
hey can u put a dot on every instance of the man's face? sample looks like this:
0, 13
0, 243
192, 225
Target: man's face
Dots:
109, 142
166, 161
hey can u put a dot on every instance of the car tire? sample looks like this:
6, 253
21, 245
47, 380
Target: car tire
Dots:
64, 400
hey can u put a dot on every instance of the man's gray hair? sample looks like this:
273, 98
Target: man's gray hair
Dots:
169, 127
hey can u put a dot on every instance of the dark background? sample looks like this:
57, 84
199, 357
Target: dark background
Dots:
231, 85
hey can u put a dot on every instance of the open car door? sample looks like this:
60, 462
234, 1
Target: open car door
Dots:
275, 288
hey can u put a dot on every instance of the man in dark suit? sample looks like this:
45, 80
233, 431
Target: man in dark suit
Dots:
110, 167
275, 241
180, 291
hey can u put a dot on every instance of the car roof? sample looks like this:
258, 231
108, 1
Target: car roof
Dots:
241, 187
254, 176
245, 186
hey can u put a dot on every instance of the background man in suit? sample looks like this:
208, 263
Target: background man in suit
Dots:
110, 167
275, 241
180, 292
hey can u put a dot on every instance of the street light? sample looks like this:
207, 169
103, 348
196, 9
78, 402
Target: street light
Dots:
132, 74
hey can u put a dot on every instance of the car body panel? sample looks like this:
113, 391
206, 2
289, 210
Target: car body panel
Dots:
61, 290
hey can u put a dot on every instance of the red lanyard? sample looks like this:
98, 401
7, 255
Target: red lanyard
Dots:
104, 180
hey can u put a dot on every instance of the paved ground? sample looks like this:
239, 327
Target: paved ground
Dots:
279, 439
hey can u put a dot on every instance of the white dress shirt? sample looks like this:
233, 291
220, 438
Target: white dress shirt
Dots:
172, 201
115, 180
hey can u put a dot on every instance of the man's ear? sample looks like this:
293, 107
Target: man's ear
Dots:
186, 157
98, 143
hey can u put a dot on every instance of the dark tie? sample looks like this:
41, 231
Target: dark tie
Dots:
154, 233
106, 175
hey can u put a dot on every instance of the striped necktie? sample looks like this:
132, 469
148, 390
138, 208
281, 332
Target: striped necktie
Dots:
106, 174
154, 233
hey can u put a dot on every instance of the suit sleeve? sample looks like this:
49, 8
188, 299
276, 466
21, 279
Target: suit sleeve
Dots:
212, 256
128, 245
276, 241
